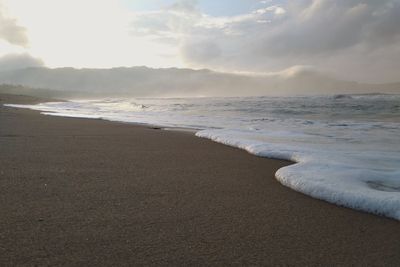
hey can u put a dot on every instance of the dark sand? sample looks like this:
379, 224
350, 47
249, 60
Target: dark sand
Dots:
89, 192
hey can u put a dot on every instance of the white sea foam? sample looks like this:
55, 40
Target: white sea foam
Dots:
347, 148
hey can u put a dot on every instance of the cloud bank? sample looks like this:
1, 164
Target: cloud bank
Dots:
19, 61
354, 39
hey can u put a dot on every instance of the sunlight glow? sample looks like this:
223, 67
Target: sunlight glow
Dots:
90, 33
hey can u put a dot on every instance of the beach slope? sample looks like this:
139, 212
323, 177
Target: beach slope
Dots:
91, 192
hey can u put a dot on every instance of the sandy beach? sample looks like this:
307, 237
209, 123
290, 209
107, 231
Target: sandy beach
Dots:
86, 192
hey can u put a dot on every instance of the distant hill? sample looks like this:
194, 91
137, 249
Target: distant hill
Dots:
36, 92
173, 82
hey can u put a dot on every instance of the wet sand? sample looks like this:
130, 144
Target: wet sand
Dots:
89, 192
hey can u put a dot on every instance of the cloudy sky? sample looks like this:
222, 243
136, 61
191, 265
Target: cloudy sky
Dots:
350, 39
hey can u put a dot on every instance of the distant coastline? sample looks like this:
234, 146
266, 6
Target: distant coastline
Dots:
174, 82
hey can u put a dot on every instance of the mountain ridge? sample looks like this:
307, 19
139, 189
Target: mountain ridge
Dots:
141, 81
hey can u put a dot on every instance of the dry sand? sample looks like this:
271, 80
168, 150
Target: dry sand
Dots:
89, 192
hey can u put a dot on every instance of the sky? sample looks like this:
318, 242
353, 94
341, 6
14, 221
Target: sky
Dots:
356, 40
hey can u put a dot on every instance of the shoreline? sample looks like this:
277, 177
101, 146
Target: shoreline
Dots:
83, 191
323, 188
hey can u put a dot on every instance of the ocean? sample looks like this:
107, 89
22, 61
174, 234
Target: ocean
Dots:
346, 147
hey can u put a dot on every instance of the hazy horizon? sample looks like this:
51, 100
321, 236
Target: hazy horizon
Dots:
175, 82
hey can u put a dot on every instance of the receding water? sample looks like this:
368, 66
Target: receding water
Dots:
347, 147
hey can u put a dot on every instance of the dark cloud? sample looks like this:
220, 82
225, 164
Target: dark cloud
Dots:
323, 27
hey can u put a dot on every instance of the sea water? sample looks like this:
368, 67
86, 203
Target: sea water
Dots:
346, 147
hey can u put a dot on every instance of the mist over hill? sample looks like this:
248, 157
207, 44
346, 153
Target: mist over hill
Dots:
173, 82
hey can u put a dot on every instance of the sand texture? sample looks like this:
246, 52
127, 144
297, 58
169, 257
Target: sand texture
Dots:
84, 192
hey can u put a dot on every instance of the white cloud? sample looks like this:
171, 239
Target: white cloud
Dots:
10, 30
276, 9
